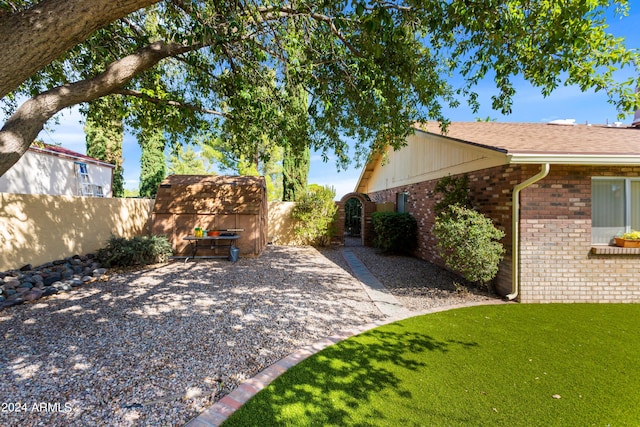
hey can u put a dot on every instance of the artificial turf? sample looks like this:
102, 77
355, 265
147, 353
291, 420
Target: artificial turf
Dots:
505, 365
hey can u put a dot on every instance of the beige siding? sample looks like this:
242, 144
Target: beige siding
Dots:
427, 157
40, 173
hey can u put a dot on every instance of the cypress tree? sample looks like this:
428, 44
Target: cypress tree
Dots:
104, 134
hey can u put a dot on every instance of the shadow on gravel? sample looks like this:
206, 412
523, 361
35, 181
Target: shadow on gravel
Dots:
145, 344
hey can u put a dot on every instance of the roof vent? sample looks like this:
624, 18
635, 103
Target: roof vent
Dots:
563, 122
636, 119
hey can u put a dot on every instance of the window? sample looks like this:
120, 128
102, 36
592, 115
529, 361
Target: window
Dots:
402, 202
615, 207
97, 191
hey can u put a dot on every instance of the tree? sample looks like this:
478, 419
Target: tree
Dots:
371, 69
295, 170
152, 164
315, 213
104, 136
187, 162
260, 158
295, 139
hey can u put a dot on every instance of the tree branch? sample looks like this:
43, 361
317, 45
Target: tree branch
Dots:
272, 13
158, 101
31, 39
28, 120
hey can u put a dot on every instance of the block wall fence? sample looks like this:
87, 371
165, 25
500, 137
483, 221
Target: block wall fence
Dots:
557, 260
36, 228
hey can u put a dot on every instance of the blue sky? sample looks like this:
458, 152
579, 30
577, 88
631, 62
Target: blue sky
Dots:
528, 106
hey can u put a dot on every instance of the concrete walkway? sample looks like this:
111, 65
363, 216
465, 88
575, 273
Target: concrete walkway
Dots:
383, 299
215, 415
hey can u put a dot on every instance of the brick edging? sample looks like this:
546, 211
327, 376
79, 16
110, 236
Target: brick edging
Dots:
216, 414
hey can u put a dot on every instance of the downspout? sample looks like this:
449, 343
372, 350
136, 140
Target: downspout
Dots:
515, 229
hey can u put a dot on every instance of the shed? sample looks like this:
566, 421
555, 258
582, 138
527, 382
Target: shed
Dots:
238, 203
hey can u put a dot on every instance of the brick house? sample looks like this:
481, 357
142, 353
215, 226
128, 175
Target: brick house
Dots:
559, 192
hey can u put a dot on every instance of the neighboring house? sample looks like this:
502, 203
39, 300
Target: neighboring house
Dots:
50, 169
560, 193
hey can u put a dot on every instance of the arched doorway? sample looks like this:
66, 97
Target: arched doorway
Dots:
353, 222
354, 219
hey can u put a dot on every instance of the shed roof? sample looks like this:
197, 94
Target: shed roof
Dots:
211, 194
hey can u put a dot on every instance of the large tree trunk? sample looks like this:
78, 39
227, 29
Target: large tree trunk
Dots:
23, 127
31, 39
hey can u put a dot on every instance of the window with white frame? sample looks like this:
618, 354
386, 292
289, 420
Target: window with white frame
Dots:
615, 207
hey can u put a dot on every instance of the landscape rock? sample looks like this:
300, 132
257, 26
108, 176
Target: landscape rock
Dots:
51, 278
49, 290
29, 283
33, 295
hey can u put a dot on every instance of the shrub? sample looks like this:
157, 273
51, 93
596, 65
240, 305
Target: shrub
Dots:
122, 252
468, 243
395, 232
454, 191
315, 211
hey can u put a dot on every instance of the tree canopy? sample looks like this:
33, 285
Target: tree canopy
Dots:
371, 68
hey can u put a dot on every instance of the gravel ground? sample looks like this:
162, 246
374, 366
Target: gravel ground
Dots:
417, 284
158, 346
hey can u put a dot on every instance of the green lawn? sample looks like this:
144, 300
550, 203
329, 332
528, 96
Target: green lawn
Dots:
511, 365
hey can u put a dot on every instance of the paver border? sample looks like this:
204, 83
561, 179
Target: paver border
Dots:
216, 414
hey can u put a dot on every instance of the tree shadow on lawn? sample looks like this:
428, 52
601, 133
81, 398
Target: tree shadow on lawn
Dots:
345, 379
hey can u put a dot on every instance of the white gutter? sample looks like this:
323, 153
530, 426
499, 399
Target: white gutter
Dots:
574, 159
515, 229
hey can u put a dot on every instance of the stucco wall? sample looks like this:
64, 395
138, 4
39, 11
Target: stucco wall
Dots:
281, 225
40, 173
35, 229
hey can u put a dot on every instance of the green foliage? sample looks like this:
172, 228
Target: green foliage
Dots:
315, 211
187, 162
468, 242
453, 191
152, 162
295, 170
131, 193
395, 232
123, 252
104, 135
370, 69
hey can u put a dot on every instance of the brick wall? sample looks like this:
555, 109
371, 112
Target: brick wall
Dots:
557, 264
556, 260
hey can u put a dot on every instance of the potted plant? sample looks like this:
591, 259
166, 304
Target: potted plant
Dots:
628, 240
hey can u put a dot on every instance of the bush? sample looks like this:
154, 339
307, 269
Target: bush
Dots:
122, 252
395, 232
315, 211
453, 191
468, 243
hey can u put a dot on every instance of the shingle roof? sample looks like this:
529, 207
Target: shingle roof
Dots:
542, 138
